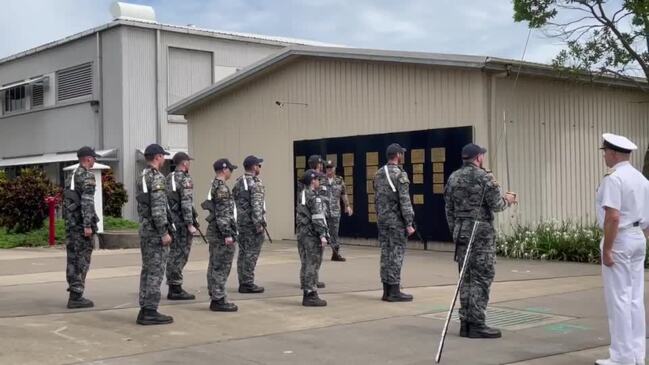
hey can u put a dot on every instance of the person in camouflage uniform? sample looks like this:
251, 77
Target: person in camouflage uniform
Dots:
335, 185
81, 224
315, 163
155, 237
180, 192
395, 218
312, 235
249, 195
472, 194
221, 235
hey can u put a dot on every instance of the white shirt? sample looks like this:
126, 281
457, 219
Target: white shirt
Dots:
626, 190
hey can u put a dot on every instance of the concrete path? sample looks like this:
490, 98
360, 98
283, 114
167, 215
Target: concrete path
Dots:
551, 313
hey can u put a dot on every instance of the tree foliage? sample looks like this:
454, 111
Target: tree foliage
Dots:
603, 37
23, 207
114, 194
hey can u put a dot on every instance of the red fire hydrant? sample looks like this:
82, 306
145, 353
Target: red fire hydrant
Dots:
52, 202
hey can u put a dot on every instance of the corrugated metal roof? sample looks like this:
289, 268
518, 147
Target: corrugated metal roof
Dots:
237, 36
492, 64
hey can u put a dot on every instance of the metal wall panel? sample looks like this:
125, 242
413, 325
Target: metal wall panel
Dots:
327, 98
554, 131
139, 102
112, 92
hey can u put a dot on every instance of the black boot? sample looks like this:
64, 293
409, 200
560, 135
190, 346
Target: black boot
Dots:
222, 305
335, 256
320, 285
176, 292
464, 328
77, 300
250, 289
395, 294
386, 291
482, 331
148, 317
311, 299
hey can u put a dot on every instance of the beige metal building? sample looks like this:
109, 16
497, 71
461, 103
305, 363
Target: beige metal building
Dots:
310, 93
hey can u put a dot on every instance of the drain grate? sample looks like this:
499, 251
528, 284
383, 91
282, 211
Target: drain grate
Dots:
509, 319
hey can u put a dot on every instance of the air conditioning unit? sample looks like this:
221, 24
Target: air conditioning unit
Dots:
127, 11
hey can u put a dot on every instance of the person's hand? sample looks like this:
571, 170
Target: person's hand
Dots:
87, 232
260, 228
607, 258
511, 198
191, 229
229, 241
349, 211
410, 230
166, 239
323, 241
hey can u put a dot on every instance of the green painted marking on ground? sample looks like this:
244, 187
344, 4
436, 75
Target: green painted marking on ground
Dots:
563, 328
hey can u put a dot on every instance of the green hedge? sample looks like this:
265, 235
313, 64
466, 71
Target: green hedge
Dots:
561, 241
39, 236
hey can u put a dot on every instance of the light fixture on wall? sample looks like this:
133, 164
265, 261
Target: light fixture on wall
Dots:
282, 103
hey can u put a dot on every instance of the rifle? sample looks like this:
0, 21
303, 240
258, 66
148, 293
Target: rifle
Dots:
197, 226
267, 234
419, 236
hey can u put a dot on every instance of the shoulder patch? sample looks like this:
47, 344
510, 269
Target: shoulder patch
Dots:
403, 178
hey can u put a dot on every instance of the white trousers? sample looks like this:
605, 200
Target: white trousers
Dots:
624, 294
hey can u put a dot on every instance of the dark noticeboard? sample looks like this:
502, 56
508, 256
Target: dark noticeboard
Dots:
431, 157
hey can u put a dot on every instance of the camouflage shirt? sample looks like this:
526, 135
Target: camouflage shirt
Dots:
464, 195
181, 201
337, 193
224, 223
152, 209
310, 219
393, 205
249, 194
82, 213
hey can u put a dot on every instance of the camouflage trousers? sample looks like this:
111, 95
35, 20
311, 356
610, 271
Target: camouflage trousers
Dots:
250, 243
480, 270
218, 270
393, 246
334, 226
154, 261
310, 250
79, 250
178, 255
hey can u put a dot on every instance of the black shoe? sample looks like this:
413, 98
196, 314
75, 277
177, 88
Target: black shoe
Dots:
335, 256
464, 328
311, 299
320, 285
395, 294
250, 289
77, 300
222, 305
148, 317
176, 292
482, 331
385, 292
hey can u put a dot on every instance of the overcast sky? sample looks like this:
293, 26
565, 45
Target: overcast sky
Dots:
478, 27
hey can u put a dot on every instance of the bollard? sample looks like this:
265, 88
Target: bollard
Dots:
51, 202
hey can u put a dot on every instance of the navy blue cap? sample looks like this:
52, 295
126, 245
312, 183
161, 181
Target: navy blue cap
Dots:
155, 149
310, 175
394, 149
223, 163
86, 151
252, 161
314, 160
471, 150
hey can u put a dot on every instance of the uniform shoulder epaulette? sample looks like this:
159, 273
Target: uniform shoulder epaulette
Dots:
609, 171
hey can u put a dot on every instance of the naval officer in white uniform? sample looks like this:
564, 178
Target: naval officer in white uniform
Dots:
623, 215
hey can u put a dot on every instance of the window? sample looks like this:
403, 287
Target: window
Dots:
15, 99
74, 82
38, 93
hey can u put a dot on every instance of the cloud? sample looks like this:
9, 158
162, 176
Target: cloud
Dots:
446, 26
